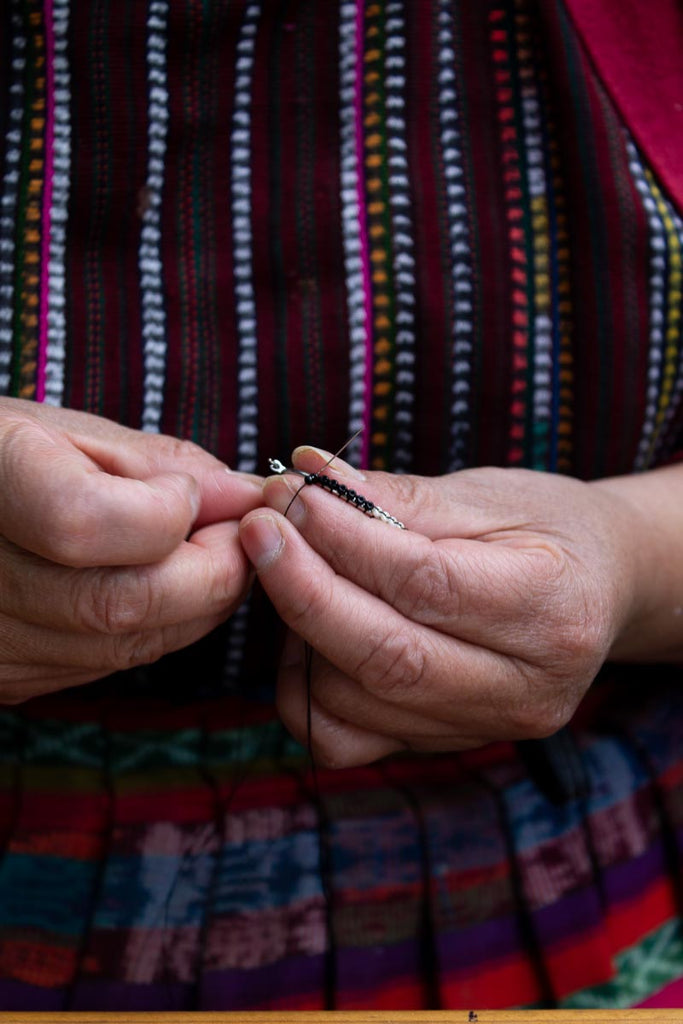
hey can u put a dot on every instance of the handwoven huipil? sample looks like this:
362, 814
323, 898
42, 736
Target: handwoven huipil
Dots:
258, 224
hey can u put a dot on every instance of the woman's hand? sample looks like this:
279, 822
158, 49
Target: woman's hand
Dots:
487, 619
115, 546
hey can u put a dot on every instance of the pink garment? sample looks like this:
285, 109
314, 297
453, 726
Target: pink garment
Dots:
637, 48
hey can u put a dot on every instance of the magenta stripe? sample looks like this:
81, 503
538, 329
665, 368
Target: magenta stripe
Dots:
364, 249
668, 998
48, 149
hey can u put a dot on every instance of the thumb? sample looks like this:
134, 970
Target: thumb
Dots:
59, 503
471, 503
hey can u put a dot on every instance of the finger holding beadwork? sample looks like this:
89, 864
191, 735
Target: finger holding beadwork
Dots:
535, 587
486, 503
398, 660
463, 504
463, 588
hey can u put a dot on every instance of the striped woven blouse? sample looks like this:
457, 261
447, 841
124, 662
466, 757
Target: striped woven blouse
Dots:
257, 223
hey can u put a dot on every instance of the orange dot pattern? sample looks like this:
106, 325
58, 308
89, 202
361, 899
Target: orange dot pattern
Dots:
379, 237
33, 181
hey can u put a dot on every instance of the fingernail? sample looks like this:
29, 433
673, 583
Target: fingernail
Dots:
340, 467
262, 541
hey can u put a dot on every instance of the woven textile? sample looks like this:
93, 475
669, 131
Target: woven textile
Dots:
255, 224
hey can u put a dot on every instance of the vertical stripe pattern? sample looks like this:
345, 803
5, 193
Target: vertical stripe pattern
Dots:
10, 190
247, 363
352, 215
32, 191
521, 403
150, 262
55, 340
249, 224
245, 305
59, 239
536, 185
403, 246
460, 242
665, 380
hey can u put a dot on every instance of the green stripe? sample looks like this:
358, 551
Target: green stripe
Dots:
641, 971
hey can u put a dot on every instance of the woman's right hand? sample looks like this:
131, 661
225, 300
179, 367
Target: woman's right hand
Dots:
116, 546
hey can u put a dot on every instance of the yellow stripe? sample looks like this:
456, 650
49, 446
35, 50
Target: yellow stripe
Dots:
673, 301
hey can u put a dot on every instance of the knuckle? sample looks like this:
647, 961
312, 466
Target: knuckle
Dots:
579, 633
117, 602
18, 440
429, 591
571, 624
74, 529
309, 603
177, 450
539, 719
395, 667
410, 494
542, 705
407, 488
223, 587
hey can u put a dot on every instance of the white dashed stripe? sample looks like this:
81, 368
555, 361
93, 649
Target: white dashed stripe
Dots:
245, 303
241, 197
459, 238
537, 187
55, 359
351, 234
657, 311
10, 187
403, 247
149, 256
663, 439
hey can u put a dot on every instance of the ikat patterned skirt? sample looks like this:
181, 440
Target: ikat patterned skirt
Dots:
258, 224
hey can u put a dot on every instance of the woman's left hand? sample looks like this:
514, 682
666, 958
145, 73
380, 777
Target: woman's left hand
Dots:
488, 618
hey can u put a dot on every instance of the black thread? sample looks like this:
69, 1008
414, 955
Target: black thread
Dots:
324, 825
221, 807
426, 937
352, 497
525, 920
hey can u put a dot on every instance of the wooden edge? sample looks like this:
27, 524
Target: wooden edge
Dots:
628, 1016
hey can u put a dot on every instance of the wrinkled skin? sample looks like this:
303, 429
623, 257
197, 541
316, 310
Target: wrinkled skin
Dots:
115, 547
487, 619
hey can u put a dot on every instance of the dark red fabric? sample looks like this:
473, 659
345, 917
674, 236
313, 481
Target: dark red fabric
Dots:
637, 48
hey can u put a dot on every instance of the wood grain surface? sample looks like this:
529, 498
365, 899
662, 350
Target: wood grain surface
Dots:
360, 1017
